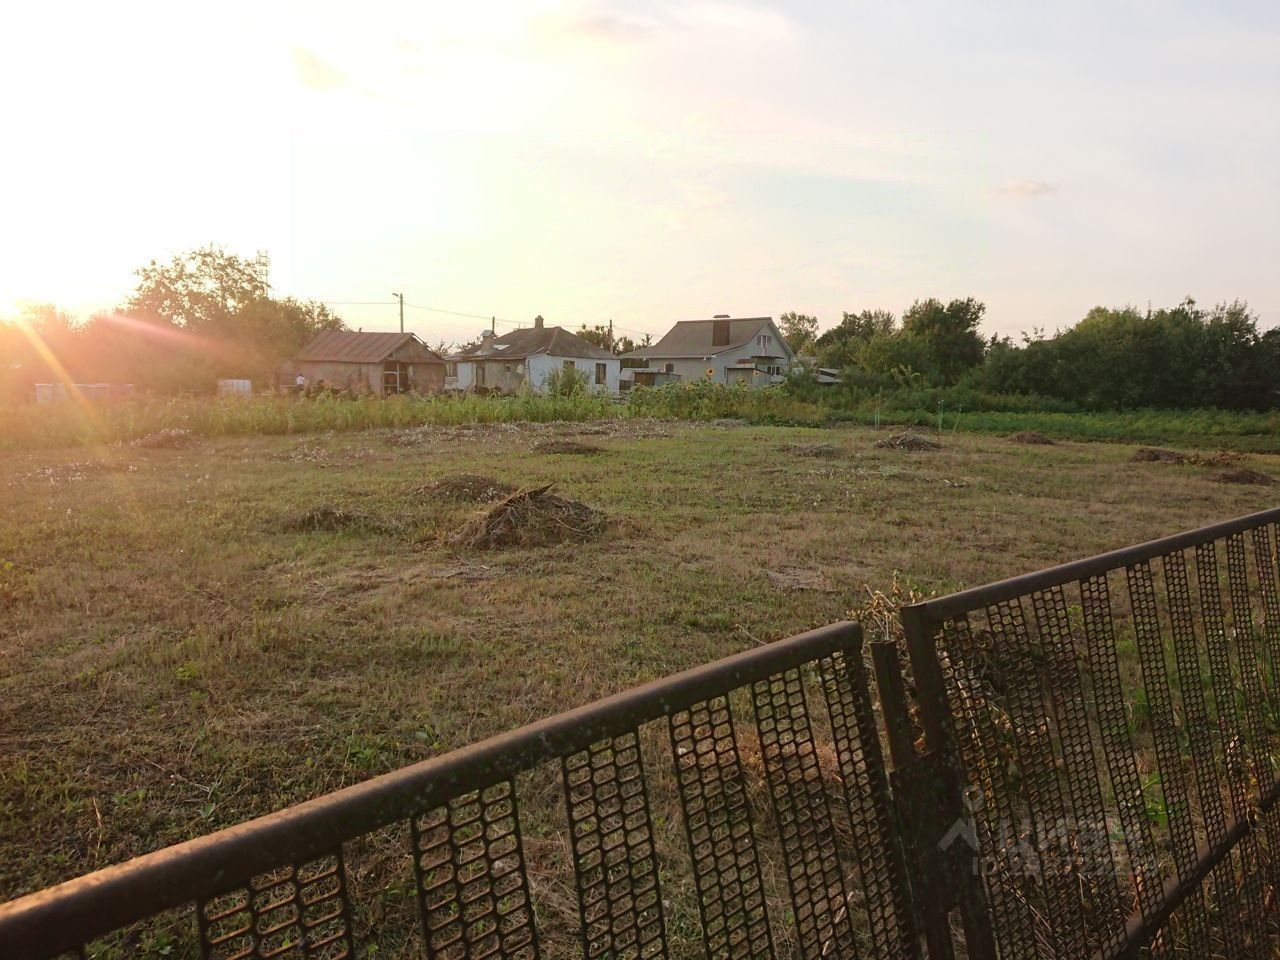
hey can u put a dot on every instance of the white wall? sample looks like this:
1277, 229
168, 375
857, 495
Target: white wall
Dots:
540, 368
465, 378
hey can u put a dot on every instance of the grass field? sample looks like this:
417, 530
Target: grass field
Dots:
179, 655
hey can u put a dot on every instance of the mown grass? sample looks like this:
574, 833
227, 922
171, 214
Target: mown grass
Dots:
179, 656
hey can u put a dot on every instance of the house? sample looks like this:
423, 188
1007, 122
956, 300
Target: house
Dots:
527, 356
723, 349
381, 363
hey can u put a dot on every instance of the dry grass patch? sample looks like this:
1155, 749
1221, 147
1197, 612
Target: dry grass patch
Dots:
1033, 437
172, 438
1243, 475
564, 445
824, 451
327, 518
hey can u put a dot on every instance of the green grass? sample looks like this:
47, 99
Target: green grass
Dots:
179, 658
1209, 429
68, 424
46, 427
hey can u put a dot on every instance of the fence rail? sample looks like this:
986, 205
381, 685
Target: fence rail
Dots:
1111, 725
1082, 762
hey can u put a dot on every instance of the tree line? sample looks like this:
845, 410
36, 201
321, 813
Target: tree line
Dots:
1180, 357
202, 316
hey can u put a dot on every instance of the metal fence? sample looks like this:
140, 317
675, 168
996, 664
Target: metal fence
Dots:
1083, 765
1106, 732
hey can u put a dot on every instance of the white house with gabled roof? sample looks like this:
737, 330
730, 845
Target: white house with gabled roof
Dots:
527, 357
724, 349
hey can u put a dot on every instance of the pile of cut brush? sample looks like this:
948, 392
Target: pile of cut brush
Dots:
529, 518
1160, 455
908, 441
467, 488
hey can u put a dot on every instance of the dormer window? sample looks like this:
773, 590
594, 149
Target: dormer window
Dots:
719, 333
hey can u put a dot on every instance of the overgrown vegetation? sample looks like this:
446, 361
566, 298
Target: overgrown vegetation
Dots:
706, 400
69, 424
1179, 358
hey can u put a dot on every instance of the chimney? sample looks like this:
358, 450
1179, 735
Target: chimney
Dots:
721, 316
537, 322
486, 341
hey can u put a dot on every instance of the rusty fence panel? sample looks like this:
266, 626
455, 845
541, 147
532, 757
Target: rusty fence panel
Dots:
1107, 738
739, 810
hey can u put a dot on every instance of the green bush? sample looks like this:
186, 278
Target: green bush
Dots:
708, 400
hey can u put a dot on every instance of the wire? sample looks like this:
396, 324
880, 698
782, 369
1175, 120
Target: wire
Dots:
458, 313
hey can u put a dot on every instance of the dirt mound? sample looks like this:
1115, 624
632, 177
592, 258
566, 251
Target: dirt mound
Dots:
171, 438
1032, 437
329, 519
1160, 455
529, 518
823, 450
908, 441
1243, 475
468, 488
564, 445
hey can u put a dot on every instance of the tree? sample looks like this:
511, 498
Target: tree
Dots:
843, 344
799, 330
951, 334
200, 290
597, 336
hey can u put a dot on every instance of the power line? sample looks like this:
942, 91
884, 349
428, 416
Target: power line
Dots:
456, 313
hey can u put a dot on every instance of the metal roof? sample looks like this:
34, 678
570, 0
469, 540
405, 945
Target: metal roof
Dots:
352, 346
692, 339
532, 341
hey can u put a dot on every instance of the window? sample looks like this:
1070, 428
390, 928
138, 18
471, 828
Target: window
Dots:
568, 364
719, 333
668, 368
602, 371
451, 370
506, 367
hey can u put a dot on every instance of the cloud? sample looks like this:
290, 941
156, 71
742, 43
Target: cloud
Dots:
1026, 189
598, 20
314, 72
618, 28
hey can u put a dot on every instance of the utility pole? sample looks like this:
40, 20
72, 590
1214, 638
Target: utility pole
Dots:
493, 324
611, 334
400, 297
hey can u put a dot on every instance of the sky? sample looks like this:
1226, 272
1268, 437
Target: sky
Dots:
648, 162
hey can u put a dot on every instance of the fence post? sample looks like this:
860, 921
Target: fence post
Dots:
929, 794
